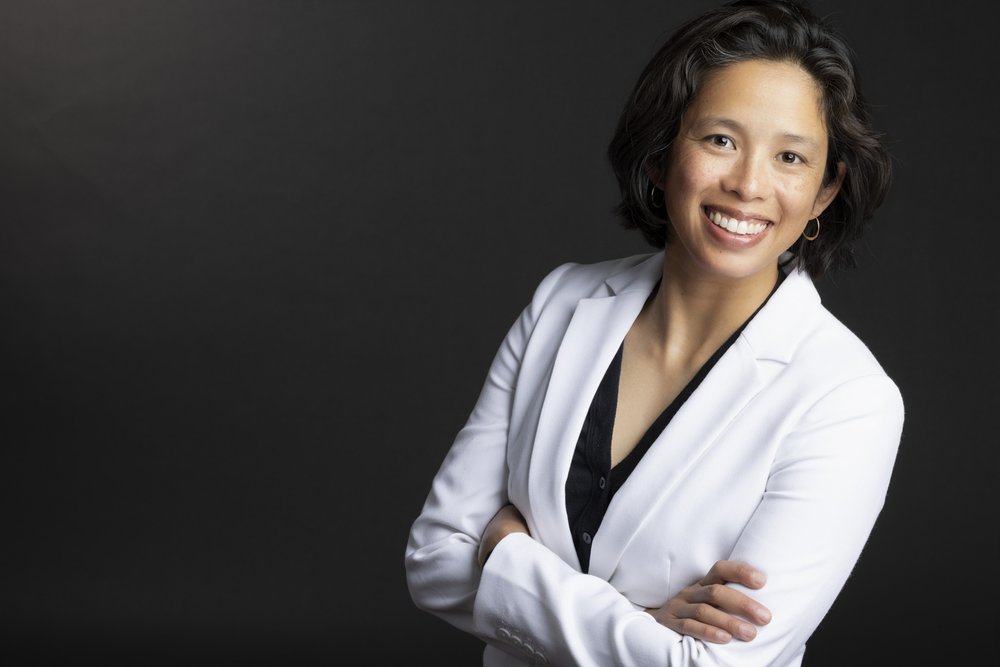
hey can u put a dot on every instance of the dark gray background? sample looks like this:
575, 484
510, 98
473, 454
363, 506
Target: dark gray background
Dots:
255, 258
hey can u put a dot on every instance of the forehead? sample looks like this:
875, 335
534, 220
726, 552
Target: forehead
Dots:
777, 96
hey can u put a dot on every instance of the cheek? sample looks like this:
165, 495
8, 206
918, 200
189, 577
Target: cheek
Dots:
689, 175
798, 197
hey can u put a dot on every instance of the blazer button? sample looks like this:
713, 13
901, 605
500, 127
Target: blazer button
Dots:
586, 538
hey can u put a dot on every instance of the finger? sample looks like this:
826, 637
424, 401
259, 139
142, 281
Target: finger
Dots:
730, 601
712, 617
698, 630
734, 571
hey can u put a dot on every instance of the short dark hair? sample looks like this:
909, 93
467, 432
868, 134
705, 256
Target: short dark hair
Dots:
779, 30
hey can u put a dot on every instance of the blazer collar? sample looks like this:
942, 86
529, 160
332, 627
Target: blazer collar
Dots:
641, 276
782, 323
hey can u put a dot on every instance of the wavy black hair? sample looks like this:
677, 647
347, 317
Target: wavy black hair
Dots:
778, 30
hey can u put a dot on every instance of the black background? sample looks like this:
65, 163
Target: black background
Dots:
255, 258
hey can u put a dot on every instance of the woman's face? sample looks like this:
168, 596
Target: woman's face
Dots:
745, 173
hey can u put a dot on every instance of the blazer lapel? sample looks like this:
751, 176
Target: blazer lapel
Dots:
598, 326
737, 377
724, 392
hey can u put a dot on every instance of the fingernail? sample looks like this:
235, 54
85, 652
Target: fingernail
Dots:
746, 631
763, 614
757, 578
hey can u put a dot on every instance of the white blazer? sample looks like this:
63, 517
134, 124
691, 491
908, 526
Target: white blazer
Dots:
781, 458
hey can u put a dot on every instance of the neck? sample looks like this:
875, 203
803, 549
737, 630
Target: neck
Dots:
692, 314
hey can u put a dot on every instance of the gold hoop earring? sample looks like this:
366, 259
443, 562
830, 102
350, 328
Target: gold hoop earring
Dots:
652, 197
814, 236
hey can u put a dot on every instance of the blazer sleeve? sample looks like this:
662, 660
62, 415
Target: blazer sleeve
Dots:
826, 488
470, 486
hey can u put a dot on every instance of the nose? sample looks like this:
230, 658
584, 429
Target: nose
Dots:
748, 177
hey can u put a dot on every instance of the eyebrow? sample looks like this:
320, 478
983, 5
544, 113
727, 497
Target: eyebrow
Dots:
728, 122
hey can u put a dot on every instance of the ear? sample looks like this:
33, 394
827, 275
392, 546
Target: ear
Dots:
829, 191
653, 172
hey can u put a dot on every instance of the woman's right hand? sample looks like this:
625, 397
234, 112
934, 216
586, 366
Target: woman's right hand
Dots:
711, 611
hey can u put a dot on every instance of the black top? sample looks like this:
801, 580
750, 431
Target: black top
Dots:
592, 482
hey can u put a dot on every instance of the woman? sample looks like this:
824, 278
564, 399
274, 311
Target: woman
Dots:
677, 457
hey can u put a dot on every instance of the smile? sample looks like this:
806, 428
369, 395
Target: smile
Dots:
742, 227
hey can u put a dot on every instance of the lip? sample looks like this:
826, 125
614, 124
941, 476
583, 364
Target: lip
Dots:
737, 214
729, 239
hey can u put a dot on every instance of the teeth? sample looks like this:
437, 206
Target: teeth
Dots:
736, 226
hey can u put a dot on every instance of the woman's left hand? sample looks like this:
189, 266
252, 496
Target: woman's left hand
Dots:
506, 521
711, 611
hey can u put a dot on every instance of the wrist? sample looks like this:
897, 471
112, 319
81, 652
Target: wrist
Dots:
487, 546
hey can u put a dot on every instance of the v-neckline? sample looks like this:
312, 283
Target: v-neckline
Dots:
621, 471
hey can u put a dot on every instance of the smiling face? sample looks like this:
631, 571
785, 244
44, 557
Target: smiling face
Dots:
745, 172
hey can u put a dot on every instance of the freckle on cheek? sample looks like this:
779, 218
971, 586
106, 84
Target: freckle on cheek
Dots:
694, 176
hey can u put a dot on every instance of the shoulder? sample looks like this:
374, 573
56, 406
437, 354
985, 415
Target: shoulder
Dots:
834, 359
836, 348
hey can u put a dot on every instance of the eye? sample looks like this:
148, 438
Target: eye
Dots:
790, 158
720, 140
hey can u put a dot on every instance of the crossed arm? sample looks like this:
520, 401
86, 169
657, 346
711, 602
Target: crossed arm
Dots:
707, 609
